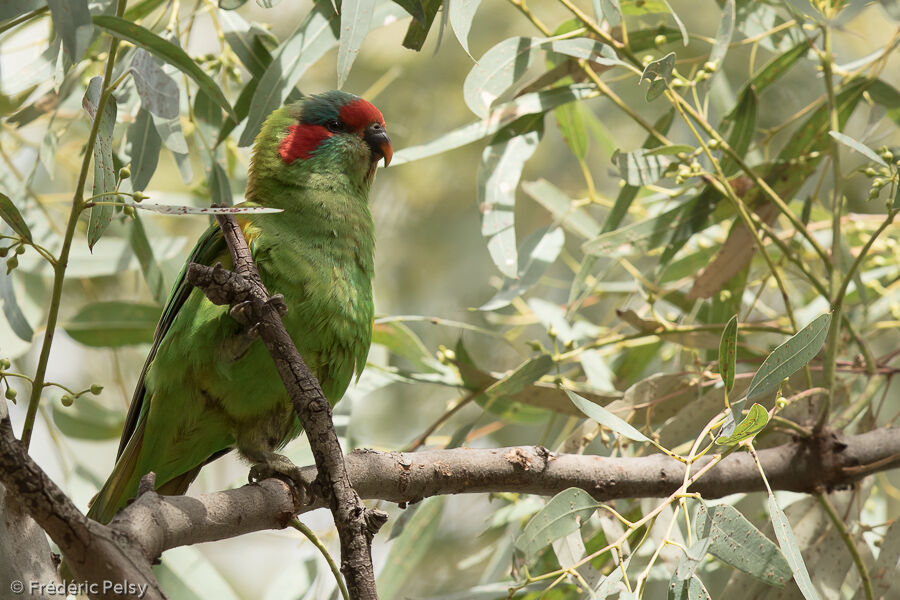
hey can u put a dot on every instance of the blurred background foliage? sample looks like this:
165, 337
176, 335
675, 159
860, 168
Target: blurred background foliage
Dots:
529, 247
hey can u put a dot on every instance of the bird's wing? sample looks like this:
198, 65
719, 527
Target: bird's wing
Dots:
209, 247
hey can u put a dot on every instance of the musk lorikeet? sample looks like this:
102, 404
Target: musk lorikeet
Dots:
206, 386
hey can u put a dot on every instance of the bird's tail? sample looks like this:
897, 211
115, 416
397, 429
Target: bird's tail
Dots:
122, 482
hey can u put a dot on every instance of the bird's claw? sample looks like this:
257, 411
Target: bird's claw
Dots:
278, 303
240, 312
278, 464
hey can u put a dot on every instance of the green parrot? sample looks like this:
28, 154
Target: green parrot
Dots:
207, 386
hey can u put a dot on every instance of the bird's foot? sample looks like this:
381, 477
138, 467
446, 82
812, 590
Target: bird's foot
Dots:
277, 464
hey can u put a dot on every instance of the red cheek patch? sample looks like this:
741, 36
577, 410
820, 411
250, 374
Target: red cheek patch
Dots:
360, 113
301, 141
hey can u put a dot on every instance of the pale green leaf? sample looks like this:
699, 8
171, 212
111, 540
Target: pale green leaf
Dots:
728, 353
114, 324
791, 550
606, 418
356, 20
562, 515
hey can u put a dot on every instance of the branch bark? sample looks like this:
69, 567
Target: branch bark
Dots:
831, 462
244, 290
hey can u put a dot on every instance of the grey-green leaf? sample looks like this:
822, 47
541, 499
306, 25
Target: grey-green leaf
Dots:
789, 357
728, 353
315, 35
11, 309
72, 21
114, 324
561, 207
158, 91
858, 146
609, 10
87, 419
500, 117
12, 217
755, 421
461, 14
723, 36
744, 119
791, 550
498, 177
356, 20
140, 243
659, 74
606, 418
165, 50
104, 171
562, 515
409, 549
641, 167
540, 250
143, 146
737, 542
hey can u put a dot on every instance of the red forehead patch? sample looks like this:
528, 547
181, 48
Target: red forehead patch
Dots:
301, 141
360, 113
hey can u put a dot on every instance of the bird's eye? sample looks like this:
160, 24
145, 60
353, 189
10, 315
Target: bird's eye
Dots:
335, 126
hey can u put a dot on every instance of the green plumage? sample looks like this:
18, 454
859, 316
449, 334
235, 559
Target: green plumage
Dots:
207, 388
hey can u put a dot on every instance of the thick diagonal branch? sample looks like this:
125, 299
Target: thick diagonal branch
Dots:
355, 524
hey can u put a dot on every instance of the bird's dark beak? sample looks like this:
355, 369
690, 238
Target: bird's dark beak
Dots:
377, 139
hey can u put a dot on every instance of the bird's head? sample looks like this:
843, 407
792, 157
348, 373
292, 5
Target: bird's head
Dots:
330, 134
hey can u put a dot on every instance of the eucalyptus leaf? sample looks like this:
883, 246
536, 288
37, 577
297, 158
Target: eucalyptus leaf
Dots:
462, 12
728, 353
789, 357
114, 324
562, 515
143, 146
12, 217
104, 171
87, 419
409, 549
791, 550
165, 50
72, 21
606, 418
356, 20
159, 92
857, 146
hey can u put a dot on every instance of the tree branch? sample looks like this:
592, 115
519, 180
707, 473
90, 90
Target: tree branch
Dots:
164, 522
244, 290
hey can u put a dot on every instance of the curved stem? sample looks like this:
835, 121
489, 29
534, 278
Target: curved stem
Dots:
59, 267
312, 537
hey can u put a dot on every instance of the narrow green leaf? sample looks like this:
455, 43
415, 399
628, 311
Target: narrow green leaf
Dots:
755, 421
158, 92
165, 50
315, 35
140, 243
791, 550
402, 341
421, 25
409, 549
356, 20
562, 208
888, 97
728, 353
524, 375
10, 9
789, 357
498, 177
462, 12
606, 418
562, 515
659, 74
143, 146
72, 21
778, 66
858, 146
744, 126
685, 39
505, 63
724, 35
500, 117
248, 42
231, 4
737, 542
540, 250
87, 419
609, 10
114, 324
11, 309
571, 122
640, 167
219, 185
12, 217
104, 171
650, 233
